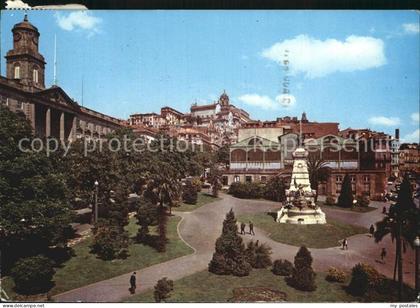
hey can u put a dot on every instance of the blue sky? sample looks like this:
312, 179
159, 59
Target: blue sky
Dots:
359, 68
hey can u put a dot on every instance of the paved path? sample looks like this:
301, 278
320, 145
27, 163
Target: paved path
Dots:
200, 229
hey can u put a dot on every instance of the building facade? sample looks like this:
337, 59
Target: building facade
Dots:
51, 112
409, 157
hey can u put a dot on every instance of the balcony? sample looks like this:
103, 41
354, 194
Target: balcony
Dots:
255, 165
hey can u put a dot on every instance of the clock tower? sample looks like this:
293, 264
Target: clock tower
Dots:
24, 62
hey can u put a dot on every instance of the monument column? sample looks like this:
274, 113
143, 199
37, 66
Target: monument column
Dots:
62, 130
48, 123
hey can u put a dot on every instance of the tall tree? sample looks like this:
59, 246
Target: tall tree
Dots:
346, 195
303, 276
215, 180
402, 222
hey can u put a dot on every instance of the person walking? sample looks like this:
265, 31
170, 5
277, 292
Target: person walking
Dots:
384, 210
242, 228
251, 228
383, 254
345, 244
133, 283
371, 230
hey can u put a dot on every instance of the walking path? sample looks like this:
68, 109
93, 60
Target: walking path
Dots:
200, 229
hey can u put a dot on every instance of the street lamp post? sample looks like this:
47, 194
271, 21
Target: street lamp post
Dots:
96, 201
417, 273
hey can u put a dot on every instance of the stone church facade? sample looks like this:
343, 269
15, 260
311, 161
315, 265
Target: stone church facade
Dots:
51, 112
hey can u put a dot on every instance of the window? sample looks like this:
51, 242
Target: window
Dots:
248, 179
236, 179
17, 72
35, 76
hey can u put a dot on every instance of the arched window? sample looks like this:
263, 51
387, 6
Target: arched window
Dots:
35, 75
17, 72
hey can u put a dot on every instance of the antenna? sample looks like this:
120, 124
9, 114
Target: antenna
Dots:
55, 60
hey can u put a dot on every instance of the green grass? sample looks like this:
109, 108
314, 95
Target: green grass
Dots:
203, 198
312, 236
84, 268
358, 209
208, 287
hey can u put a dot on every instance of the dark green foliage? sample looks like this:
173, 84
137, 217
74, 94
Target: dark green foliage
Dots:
163, 289
147, 215
35, 212
275, 189
190, 193
346, 195
282, 267
251, 190
330, 200
229, 257
363, 200
215, 180
110, 241
258, 255
303, 276
222, 155
335, 275
33, 274
162, 222
363, 277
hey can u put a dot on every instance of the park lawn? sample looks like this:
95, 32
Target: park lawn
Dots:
202, 199
312, 236
208, 287
357, 209
84, 268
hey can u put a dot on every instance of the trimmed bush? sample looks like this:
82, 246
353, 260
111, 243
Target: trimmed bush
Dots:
33, 275
363, 200
109, 242
330, 200
335, 275
346, 195
282, 267
258, 255
303, 276
363, 278
275, 189
189, 194
163, 289
251, 190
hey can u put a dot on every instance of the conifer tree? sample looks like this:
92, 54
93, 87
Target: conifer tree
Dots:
303, 276
229, 257
346, 195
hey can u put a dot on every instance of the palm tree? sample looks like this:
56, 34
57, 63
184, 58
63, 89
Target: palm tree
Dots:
318, 170
401, 223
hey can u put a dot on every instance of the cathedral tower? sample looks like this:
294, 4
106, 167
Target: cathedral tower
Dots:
24, 62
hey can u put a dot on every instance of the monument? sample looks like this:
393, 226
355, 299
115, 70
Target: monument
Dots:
300, 206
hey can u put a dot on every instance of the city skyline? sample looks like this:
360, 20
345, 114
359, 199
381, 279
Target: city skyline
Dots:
369, 54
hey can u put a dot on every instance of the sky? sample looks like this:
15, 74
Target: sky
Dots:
358, 68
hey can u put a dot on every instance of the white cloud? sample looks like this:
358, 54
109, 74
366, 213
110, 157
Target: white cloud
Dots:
79, 20
411, 28
267, 103
16, 4
384, 121
415, 117
413, 137
316, 58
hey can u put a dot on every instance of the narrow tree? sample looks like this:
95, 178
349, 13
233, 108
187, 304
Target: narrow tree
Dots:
190, 193
229, 257
303, 276
214, 179
346, 195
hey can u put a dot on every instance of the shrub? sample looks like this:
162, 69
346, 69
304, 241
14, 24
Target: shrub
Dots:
364, 277
253, 190
110, 241
163, 289
282, 268
229, 257
275, 189
190, 193
258, 256
335, 275
303, 276
197, 183
363, 200
330, 200
33, 274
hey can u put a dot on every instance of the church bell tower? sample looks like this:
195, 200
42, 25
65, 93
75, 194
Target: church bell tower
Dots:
24, 62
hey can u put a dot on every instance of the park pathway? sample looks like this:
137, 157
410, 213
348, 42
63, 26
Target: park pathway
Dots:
200, 229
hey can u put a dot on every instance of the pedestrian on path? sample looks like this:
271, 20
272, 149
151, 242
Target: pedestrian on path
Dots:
383, 254
251, 228
345, 244
384, 210
371, 230
242, 228
133, 283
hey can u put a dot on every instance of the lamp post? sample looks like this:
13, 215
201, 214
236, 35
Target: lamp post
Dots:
417, 272
96, 201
